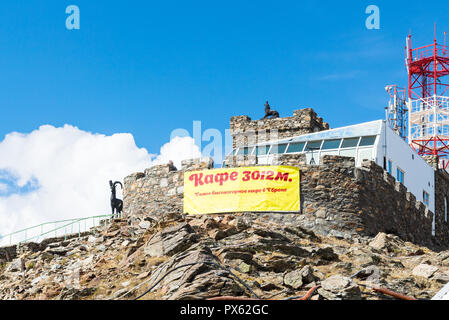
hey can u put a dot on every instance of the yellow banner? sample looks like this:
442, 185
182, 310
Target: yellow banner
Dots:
253, 189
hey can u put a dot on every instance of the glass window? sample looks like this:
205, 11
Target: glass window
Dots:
331, 144
313, 145
400, 175
390, 166
425, 197
278, 148
367, 141
245, 151
295, 147
262, 150
350, 142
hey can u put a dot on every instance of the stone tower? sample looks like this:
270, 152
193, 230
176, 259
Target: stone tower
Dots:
245, 131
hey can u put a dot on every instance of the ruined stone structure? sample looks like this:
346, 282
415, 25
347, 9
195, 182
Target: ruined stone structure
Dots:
158, 191
245, 131
337, 198
441, 204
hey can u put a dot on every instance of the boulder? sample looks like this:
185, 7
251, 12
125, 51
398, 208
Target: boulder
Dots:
279, 264
338, 287
441, 277
424, 270
171, 240
297, 278
17, 265
379, 242
60, 251
326, 253
245, 268
75, 294
293, 279
145, 224
230, 254
198, 279
385, 242
308, 275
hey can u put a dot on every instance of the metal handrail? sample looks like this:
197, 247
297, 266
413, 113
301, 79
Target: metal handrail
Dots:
70, 224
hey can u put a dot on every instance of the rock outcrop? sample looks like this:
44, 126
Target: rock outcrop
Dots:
200, 257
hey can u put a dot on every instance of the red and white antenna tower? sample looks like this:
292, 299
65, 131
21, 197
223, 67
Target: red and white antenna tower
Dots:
428, 107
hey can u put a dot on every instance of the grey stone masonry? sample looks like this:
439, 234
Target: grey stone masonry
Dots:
337, 199
245, 131
8, 253
158, 192
441, 205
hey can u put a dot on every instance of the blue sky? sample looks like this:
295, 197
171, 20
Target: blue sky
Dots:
148, 67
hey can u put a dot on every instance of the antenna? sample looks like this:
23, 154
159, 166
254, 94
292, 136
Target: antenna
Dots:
396, 111
407, 51
428, 103
435, 32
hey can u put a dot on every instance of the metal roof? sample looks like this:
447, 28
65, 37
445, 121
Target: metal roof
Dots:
371, 128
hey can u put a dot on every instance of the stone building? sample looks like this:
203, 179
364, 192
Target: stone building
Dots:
245, 131
360, 179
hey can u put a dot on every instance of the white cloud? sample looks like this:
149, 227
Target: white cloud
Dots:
72, 169
3, 187
178, 149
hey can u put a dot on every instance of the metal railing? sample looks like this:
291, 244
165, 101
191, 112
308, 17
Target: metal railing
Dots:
429, 117
429, 51
60, 228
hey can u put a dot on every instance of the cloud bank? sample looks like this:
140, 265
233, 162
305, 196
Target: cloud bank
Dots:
63, 173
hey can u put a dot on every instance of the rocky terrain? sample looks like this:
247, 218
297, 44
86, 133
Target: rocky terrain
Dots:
201, 257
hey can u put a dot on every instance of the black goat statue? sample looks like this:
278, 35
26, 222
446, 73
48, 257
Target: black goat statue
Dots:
269, 112
116, 204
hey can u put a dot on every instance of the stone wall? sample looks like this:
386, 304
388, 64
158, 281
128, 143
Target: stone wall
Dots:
441, 200
441, 205
7, 254
158, 192
327, 202
245, 131
388, 207
433, 161
337, 199
329, 195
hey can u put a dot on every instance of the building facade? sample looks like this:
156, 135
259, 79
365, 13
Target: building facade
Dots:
370, 141
360, 179
374, 141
